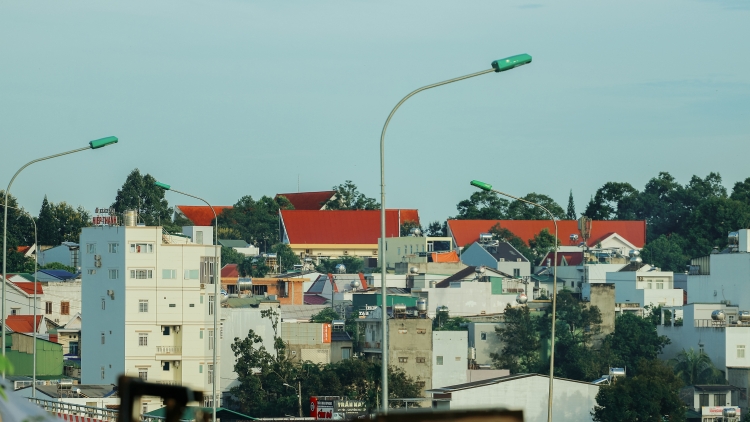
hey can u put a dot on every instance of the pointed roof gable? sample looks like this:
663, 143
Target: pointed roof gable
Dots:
311, 201
201, 215
28, 288
465, 232
23, 323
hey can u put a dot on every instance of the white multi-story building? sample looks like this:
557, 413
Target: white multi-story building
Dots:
646, 286
147, 309
723, 276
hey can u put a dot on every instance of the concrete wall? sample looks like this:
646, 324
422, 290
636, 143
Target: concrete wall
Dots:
573, 401
201, 235
449, 357
471, 298
483, 337
60, 253
411, 340
602, 295
728, 280
642, 287
237, 323
406, 248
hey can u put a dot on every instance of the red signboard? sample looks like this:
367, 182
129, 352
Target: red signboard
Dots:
327, 333
106, 220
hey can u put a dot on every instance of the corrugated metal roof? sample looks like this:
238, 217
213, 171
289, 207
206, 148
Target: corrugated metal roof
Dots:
201, 215
341, 227
308, 200
465, 232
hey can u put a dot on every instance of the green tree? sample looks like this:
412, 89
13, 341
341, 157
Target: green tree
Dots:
650, 396
570, 214
519, 210
286, 257
407, 225
635, 338
256, 221
542, 243
20, 233
58, 266
231, 256
348, 197
70, 221
444, 322
483, 205
435, 229
47, 230
325, 315
695, 368
521, 342
613, 201
253, 267
741, 191
666, 253
353, 265
139, 193
502, 234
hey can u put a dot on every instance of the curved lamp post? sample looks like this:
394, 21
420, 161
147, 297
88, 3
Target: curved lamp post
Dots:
36, 261
501, 65
488, 187
217, 301
96, 144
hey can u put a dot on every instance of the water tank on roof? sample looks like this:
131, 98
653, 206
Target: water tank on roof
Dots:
485, 237
244, 284
442, 308
522, 298
573, 237
340, 268
399, 308
744, 316
355, 284
131, 218
422, 305
414, 231
718, 315
414, 270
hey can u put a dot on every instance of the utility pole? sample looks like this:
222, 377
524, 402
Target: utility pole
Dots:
299, 397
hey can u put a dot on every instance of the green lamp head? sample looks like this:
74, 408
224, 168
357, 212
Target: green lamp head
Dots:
481, 185
163, 185
100, 143
511, 62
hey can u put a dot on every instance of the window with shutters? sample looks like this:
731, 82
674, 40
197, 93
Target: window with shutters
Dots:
64, 308
47, 308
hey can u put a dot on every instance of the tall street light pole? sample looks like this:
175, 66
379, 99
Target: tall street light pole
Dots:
217, 302
488, 187
497, 66
36, 261
96, 144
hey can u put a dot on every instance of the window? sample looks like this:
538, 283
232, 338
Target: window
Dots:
143, 305
104, 304
420, 360
741, 351
199, 237
64, 308
47, 308
210, 339
102, 372
165, 366
439, 360
113, 247
659, 285
483, 336
102, 338
458, 358
143, 374
201, 334
114, 273
403, 360
421, 331
210, 305
142, 248
346, 353
516, 272
143, 339
403, 331
15, 311
207, 269
168, 274
91, 248
420, 384
703, 400
192, 274
210, 374
648, 285
142, 274
200, 369
73, 348
91, 271
720, 399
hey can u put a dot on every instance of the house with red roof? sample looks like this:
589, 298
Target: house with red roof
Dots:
613, 234
333, 234
25, 324
310, 201
200, 215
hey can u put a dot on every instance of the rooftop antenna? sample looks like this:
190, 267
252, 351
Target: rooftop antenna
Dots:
297, 182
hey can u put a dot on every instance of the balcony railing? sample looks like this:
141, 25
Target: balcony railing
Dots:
169, 350
709, 323
169, 382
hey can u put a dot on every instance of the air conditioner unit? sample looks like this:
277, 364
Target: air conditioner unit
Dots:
203, 286
97, 257
176, 328
98, 264
176, 364
57, 320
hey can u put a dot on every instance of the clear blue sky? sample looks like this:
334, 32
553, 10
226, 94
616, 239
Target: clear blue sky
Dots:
230, 98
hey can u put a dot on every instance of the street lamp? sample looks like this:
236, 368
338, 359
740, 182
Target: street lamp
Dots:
299, 395
36, 261
217, 302
501, 65
488, 187
95, 144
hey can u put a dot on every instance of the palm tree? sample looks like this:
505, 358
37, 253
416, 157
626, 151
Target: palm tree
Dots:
695, 368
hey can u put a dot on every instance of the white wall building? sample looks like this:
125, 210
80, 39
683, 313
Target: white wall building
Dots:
148, 308
201, 235
722, 276
573, 400
61, 300
467, 299
449, 357
646, 286
484, 339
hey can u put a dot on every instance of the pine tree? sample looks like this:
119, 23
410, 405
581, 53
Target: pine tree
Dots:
48, 230
571, 214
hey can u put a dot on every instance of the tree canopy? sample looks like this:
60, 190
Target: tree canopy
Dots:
695, 368
60, 223
257, 222
348, 197
139, 193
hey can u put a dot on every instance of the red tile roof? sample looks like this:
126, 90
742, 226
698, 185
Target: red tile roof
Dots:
23, 323
308, 200
341, 227
465, 232
572, 258
313, 299
201, 215
23, 249
29, 287
230, 270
